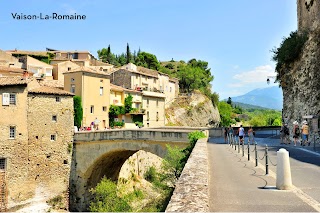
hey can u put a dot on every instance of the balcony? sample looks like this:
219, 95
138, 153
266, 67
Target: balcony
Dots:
136, 111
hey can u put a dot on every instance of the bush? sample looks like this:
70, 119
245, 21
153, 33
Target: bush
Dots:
106, 199
151, 174
289, 50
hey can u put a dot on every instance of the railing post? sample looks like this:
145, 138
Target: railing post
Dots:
256, 153
248, 151
235, 146
242, 149
232, 144
314, 141
267, 164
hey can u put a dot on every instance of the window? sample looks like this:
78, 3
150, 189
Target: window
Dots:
154, 80
170, 89
157, 103
69, 68
53, 137
58, 99
2, 164
73, 88
72, 80
48, 72
92, 109
12, 99
12, 133
147, 101
101, 91
157, 117
54, 118
148, 118
104, 108
101, 80
137, 76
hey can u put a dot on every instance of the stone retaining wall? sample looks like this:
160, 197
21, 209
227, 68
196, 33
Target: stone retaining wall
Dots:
192, 193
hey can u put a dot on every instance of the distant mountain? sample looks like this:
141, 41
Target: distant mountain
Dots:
270, 97
247, 106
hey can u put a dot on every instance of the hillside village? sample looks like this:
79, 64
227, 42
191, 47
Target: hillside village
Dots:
38, 114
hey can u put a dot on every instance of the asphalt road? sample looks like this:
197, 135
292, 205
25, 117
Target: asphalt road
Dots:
237, 185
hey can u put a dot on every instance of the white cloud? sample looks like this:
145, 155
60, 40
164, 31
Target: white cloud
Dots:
68, 9
259, 74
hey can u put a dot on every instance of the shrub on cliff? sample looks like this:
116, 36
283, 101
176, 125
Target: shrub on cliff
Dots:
289, 50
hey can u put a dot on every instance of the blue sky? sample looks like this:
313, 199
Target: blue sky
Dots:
234, 36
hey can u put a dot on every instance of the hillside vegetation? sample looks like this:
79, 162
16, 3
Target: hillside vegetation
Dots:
231, 114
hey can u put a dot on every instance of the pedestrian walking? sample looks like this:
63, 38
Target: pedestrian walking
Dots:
305, 133
295, 132
285, 134
241, 134
225, 134
230, 131
251, 135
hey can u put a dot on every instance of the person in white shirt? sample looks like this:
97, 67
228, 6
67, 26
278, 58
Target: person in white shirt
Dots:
241, 134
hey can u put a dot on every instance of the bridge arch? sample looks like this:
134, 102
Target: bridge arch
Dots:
93, 160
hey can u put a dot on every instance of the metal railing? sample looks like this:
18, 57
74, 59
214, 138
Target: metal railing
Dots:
233, 142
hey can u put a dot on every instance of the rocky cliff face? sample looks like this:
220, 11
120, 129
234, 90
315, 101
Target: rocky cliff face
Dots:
195, 110
301, 82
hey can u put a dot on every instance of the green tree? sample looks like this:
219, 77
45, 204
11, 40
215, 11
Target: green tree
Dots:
128, 103
106, 199
172, 165
225, 111
229, 101
128, 55
78, 111
147, 60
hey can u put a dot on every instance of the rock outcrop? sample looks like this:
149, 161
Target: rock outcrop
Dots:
194, 110
301, 80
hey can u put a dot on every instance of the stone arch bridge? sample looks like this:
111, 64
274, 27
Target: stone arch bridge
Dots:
102, 153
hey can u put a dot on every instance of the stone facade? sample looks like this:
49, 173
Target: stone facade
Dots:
308, 14
37, 152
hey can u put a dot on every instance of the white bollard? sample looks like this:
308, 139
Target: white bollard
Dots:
284, 181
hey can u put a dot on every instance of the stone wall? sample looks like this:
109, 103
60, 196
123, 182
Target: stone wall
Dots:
15, 151
49, 160
191, 193
121, 78
308, 14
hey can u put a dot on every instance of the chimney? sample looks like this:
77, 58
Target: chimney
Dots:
25, 74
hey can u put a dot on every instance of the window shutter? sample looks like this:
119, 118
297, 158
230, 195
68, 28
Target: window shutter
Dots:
5, 99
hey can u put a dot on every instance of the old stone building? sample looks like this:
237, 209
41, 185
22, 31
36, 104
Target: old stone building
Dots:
36, 135
94, 89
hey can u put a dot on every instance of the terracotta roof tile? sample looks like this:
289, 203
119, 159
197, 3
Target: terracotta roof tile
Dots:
50, 91
15, 80
11, 69
86, 69
147, 71
52, 83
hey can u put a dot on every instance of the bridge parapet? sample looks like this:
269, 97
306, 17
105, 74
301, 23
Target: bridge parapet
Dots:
136, 134
191, 193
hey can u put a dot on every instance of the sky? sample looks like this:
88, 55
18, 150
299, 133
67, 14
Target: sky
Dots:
235, 37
